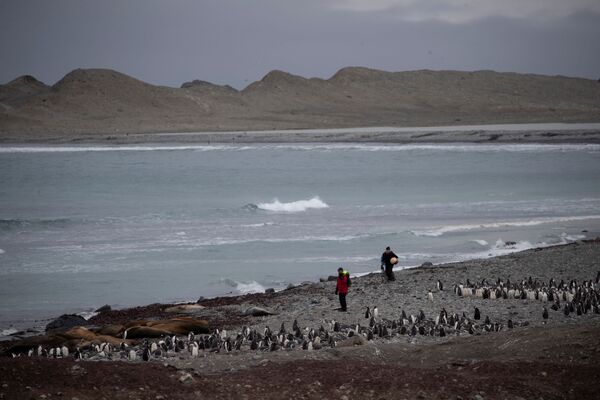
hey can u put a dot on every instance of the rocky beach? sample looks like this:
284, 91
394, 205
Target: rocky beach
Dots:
536, 336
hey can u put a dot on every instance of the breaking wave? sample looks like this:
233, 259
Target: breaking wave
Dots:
294, 206
508, 224
245, 287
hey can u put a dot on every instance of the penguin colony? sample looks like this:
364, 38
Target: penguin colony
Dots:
329, 334
571, 297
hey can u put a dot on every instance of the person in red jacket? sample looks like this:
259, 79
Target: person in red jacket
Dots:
341, 289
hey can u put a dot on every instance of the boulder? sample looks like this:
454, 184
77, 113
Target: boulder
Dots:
104, 308
270, 291
427, 264
257, 312
66, 321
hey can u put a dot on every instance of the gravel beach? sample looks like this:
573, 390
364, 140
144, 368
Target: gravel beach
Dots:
555, 357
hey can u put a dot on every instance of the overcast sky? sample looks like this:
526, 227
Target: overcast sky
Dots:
238, 41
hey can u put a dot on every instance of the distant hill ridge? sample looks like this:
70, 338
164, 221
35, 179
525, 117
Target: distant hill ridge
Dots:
102, 101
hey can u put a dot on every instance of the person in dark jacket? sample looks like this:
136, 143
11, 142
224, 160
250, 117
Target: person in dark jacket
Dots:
341, 289
386, 260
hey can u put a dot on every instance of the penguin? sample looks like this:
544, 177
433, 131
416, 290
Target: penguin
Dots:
368, 313
295, 325
440, 286
194, 350
254, 344
487, 320
404, 315
65, 351
274, 346
429, 296
132, 355
146, 354
30, 353
336, 326
545, 314
477, 314
385, 332
421, 315
510, 324
78, 355
413, 331
566, 310
282, 329
369, 334
442, 331
332, 342
375, 312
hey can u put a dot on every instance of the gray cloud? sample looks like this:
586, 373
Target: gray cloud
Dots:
458, 11
237, 41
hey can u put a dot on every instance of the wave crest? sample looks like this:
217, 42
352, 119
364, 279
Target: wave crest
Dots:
245, 287
294, 206
508, 224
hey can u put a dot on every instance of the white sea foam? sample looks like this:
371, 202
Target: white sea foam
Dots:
8, 332
294, 206
327, 147
480, 242
87, 314
505, 224
259, 225
571, 238
249, 287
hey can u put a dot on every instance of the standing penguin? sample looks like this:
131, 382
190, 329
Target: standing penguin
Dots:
440, 286
429, 296
477, 314
545, 314
368, 313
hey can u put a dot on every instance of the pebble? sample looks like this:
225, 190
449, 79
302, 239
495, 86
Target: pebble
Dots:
185, 378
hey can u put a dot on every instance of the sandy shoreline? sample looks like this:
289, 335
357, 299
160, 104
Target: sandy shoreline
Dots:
543, 133
545, 353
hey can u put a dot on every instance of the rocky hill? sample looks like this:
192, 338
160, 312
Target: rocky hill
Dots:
106, 102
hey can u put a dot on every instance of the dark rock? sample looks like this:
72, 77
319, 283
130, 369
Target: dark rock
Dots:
290, 286
104, 308
427, 264
200, 299
257, 312
331, 278
66, 321
510, 243
270, 290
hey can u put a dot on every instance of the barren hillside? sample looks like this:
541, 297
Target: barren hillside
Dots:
106, 102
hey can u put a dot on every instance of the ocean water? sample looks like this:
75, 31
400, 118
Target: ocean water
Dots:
85, 226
